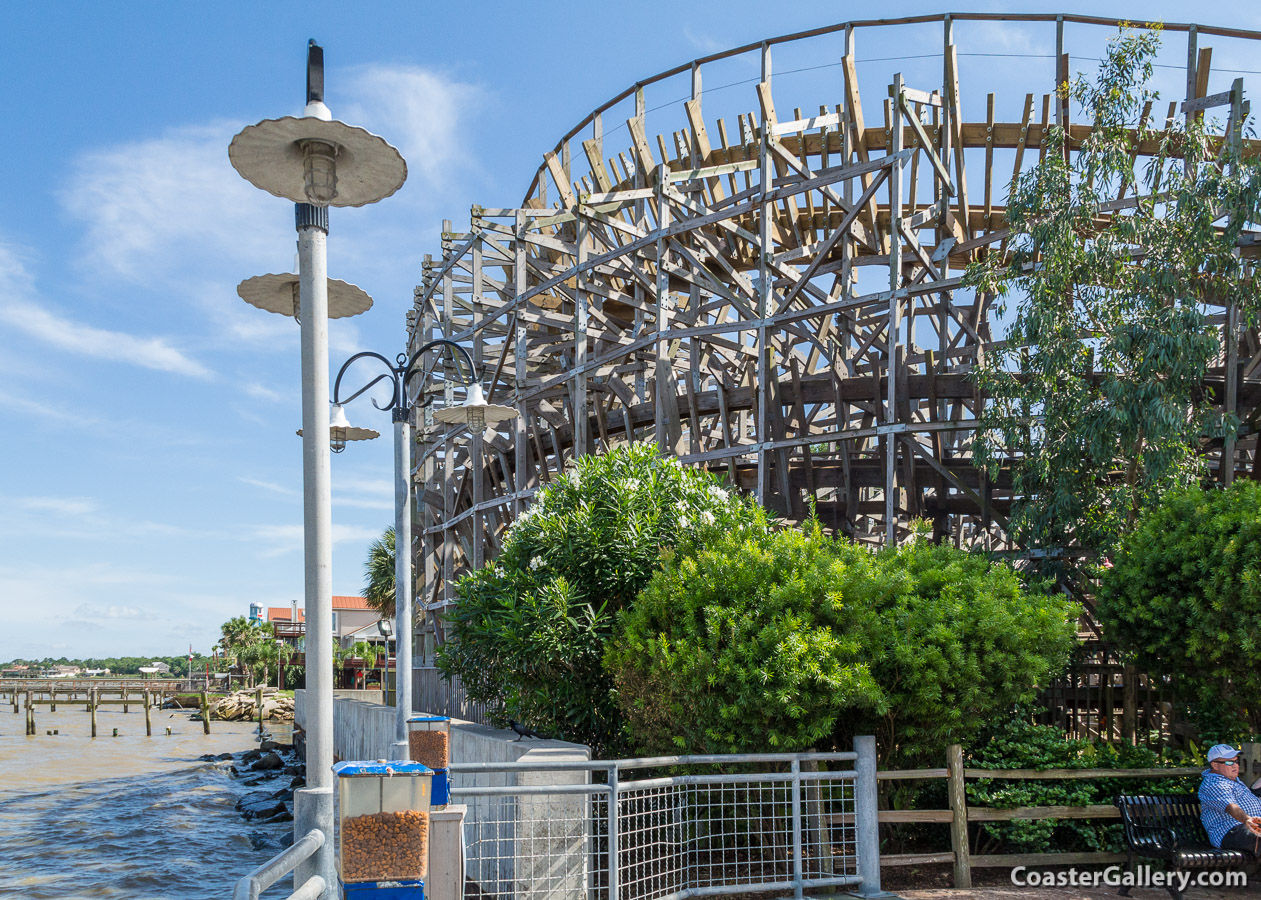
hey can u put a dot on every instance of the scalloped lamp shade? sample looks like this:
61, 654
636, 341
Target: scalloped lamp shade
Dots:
306, 159
340, 431
279, 294
475, 411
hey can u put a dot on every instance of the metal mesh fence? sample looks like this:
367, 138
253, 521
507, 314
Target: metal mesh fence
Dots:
674, 834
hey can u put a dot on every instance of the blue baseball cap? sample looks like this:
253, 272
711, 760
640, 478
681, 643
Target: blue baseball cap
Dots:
1222, 751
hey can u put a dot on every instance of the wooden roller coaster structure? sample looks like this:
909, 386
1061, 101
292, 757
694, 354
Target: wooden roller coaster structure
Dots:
779, 302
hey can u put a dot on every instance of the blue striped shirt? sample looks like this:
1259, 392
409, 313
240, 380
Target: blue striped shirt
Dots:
1216, 793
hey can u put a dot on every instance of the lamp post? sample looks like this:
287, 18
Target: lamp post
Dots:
316, 162
477, 413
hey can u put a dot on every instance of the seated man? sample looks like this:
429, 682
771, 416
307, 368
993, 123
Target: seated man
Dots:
1230, 811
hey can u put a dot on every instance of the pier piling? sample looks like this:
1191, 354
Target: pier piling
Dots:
148, 715
92, 707
258, 702
30, 714
205, 714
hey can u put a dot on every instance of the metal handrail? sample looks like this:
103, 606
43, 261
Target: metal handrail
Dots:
250, 886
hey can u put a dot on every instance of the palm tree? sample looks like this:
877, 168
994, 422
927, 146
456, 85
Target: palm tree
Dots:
366, 652
378, 571
239, 635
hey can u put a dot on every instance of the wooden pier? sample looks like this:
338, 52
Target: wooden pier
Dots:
28, 694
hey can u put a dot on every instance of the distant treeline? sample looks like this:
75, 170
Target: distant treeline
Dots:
117, 665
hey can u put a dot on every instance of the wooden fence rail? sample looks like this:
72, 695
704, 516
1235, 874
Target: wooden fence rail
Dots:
960, 813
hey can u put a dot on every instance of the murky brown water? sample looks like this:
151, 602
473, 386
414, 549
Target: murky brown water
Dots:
132, 816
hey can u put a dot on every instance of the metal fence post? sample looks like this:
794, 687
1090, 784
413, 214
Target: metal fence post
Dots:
798, 886
613, 838
866, 822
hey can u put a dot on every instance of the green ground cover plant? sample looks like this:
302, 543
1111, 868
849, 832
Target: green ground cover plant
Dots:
1015, 743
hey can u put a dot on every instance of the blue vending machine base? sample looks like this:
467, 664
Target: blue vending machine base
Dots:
441, 795
407, 889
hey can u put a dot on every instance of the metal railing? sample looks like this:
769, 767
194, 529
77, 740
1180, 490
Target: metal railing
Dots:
282, 864
668, 828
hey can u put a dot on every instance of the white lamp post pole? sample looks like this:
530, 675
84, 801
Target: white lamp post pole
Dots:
313, 804
402, 577
475, 412
316, 162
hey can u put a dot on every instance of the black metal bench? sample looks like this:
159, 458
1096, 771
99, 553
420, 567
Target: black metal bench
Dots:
1167, 827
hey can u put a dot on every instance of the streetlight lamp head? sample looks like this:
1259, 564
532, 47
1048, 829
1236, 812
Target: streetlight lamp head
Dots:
340, 431
338, 425
325, 163
319, 171
475, 411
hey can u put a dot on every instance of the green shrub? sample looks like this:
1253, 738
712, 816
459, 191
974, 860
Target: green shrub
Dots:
956, 640
789, 640
1184, 598
744, 646
1017, 744
530, 629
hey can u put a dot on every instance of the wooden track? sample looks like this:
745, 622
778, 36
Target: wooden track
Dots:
740, 292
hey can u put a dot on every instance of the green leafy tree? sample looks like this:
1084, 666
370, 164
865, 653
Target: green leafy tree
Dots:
1184, 599
259, 653
1096, 401
790, 640
531, 628
378, 573
242, 640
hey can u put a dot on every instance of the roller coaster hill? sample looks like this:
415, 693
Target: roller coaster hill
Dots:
774, 291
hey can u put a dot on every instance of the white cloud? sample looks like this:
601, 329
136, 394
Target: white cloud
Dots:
99, 343
270, 486
21, 309
66, 506
87, 611
152, 206
79, 519
276, 540
417, 110
362, 503
382, 487
262, 392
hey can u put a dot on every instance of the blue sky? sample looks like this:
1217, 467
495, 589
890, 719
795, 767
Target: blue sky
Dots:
151, 484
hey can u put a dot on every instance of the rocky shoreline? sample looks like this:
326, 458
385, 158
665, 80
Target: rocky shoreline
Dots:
277, 771
242, 706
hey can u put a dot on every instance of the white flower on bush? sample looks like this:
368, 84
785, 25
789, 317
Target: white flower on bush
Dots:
718, 493
685, 522
707, 517
536, 564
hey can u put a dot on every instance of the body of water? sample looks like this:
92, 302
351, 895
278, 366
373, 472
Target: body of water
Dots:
128, 816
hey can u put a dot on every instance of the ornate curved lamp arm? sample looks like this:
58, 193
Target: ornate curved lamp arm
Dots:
392, 375
459, 354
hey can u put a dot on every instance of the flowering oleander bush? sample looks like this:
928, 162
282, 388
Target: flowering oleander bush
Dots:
531, 628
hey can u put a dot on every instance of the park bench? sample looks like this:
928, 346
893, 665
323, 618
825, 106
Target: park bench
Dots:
1167, 827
